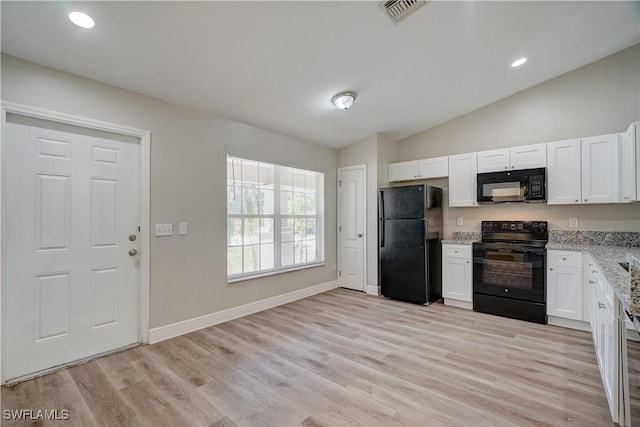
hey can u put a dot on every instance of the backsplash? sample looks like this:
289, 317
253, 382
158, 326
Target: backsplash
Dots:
467, 235
606, 238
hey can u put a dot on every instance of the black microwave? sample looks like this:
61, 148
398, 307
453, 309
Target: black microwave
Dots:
525, 185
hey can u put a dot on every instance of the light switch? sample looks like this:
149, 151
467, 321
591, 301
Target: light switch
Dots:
459, 221
573, 222
184, 230
164, 230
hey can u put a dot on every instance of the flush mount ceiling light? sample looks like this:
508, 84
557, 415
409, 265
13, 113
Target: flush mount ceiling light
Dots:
81, 19
344, 100
518, 62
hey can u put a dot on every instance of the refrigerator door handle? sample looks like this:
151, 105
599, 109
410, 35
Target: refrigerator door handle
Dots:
381, 204
382, 233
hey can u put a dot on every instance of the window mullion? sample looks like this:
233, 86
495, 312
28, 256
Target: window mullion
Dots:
277, 223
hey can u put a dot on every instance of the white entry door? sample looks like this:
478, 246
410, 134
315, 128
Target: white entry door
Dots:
70, 286
351, 227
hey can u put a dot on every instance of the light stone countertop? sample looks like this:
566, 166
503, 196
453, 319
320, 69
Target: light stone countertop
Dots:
607, 258
459, 241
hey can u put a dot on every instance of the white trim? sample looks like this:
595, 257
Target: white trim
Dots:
372, 290
569, 323
184, 327
457, 303
365, 224
267, 273
144, 137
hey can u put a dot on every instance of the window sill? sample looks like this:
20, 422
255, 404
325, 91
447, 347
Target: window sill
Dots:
273, 272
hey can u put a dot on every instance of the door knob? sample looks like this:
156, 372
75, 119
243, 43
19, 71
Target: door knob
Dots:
133, 252
132, 237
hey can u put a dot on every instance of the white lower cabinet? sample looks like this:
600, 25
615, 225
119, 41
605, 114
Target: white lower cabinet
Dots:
564, 284
457, 276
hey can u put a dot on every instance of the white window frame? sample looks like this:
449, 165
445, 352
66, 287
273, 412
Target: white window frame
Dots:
277, 223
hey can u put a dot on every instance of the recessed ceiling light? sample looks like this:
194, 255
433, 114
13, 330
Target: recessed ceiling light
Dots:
344, 100
518, 62
81, 19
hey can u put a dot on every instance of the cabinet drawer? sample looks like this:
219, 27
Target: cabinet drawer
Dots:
457, 251
564, 259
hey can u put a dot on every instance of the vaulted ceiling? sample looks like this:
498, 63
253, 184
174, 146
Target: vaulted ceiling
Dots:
276, 65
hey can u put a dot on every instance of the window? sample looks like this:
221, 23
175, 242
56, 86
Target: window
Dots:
274, 218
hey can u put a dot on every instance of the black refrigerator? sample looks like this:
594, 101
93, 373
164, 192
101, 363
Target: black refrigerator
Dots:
410, 235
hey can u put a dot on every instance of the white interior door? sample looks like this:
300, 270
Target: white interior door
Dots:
351, 226
70, 286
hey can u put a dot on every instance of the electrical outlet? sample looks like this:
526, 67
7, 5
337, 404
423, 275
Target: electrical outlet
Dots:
573, 222
164, 230
459, 221
184, 229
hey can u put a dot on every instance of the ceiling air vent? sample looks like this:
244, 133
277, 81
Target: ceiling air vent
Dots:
397, 10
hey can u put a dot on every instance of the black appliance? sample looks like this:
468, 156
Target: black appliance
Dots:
410, 233
525, 185
509, 270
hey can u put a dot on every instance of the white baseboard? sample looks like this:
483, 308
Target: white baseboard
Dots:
372, 290
569, 323
184, 327
458, 303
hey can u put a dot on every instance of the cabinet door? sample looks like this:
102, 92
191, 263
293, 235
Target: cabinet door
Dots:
610, 361
528, 156
564, 292
463, 180
628, 166
601, 169
437, 167
563, 172
403, 171
493, 160
456, 279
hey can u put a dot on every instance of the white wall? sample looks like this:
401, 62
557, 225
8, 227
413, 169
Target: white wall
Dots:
188, 178
600, 98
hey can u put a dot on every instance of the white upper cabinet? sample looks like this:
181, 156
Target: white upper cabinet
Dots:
436, 167
493, 160
634, 134
525, 157
563, 172
600, 169
463, 180
403, 171
628, 166
528, 156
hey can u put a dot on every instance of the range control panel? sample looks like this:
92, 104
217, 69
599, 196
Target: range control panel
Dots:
514, 226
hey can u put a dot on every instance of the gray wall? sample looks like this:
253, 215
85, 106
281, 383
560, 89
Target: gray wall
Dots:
600, 98
362, 152
188, 178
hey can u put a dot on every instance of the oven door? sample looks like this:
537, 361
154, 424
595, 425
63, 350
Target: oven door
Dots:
512, 270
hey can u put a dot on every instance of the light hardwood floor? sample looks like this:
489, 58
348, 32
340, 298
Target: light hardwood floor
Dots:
339, 358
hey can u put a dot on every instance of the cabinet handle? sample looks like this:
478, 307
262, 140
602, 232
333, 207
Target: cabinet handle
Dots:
564, 258
601, 305
585, 200
626, 197
513, 167
550, 268
592, 282
577, 200
467, 262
